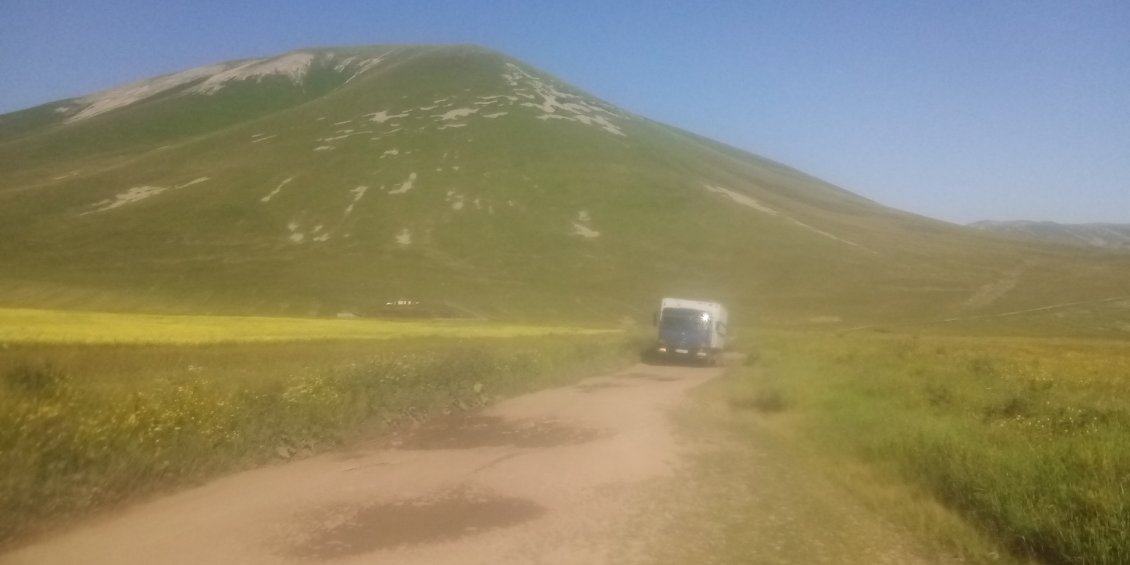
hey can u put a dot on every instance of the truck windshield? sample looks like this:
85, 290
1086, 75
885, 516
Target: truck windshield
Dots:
683, 320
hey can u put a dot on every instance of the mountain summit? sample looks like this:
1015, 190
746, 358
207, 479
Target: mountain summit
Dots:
336, 181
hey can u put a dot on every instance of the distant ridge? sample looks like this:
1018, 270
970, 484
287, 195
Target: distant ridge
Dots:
1107, 236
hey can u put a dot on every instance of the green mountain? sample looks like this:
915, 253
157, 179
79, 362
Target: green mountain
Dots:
331, 181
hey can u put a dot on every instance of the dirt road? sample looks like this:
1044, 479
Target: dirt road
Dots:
545, 478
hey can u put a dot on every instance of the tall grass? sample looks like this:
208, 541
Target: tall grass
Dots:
83, 427
1025, 438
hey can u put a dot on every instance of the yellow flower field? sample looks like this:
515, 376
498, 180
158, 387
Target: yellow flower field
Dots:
19, 325
96, 408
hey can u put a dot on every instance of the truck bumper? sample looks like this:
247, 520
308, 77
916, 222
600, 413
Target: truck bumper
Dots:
685, 354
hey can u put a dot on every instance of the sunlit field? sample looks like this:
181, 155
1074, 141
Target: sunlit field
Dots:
58, 326
1024, 438
99, 408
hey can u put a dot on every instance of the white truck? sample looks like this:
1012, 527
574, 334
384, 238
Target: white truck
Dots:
691, 329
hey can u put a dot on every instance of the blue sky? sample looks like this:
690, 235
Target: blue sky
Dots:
956, 110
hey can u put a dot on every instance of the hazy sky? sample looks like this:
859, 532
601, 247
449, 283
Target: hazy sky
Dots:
956, 110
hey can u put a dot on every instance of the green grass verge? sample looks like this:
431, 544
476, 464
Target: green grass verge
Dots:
749, 494
1025, 439
83, 427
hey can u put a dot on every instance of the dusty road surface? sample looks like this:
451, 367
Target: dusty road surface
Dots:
545, 478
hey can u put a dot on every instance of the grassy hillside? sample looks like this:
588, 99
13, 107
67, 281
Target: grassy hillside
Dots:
474, 184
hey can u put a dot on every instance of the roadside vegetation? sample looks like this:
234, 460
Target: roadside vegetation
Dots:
752, 493
994, 449
85, 426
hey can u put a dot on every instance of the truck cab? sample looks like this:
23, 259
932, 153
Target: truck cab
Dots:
691, 330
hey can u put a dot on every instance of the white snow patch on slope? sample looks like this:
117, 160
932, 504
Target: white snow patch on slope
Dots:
495, 114
451, 126
383, 116
320, 235
344, 63
563, 105
390, 153
456, 114
358, 193
584, 231
365, 66
581, 228
404, 237
455, 199
264, 138
295, 235
114, 98
746, 200
137, 194
293, 66
406, 185
193, 181
130, 196
210, 78
344, 135
324, 148
743, 199
277, 189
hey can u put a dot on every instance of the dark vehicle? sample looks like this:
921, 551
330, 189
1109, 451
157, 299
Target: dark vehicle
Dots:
691, 329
